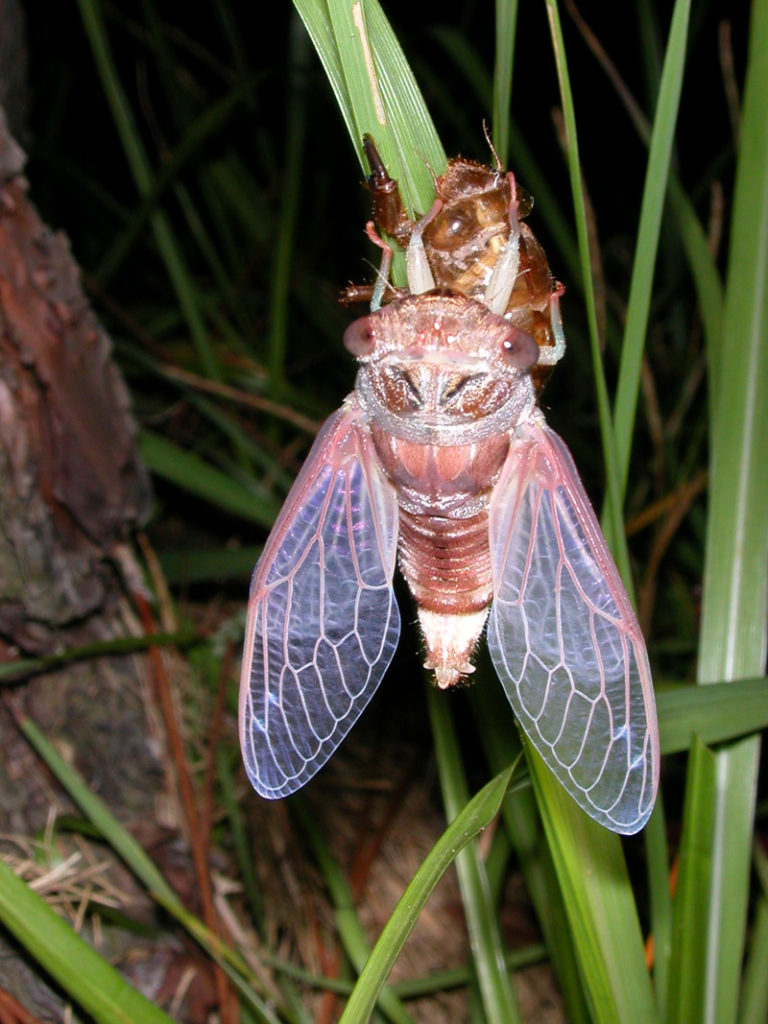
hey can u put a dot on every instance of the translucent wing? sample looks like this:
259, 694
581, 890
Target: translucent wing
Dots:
322, 619
564, 639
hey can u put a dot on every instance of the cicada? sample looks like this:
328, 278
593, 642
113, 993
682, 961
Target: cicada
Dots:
441, 462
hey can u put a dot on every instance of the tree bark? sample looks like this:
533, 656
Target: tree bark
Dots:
71, 484
72, 492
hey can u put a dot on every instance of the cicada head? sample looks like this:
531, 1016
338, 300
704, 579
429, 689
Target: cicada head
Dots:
440, 359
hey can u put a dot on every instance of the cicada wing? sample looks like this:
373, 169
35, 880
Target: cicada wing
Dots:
564, 639
322, 620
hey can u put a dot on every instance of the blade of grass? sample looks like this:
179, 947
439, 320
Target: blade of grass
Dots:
646, 248
589, 861
475, 816
348, 922
612, 476
690, 909
733, 621
97, 813
421, 155
410, 988
292, 172
22, 668
506, 25
193, 474
197, 565
716, 713
183, 284
598, 898
134, 856
376, 92
495, 987
754, 995
199, 133
239, 838
523, 824
660, 900
706, 278
459, 977
95, 986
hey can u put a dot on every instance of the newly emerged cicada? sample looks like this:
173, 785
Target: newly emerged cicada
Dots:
440, 461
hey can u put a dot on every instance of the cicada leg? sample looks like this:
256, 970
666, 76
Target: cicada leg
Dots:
504, 274
551, 354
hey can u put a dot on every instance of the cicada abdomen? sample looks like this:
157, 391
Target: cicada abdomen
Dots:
441, 461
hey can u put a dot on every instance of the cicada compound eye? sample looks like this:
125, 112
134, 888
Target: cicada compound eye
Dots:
359, 338
519, 349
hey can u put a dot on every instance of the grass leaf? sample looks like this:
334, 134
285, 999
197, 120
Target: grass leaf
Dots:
734, 606
476, 815
94, 985
652, 207
496, 992
193, 474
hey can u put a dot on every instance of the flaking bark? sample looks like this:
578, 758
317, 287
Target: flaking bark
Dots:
71, 483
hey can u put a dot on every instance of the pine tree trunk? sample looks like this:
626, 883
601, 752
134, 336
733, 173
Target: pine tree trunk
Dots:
72, 492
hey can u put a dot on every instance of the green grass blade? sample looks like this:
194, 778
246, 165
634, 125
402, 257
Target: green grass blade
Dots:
134, 856
734, 606
197, 135
460, 977
692, 899
181, 567
409, 988
97, 813
598, 898
706, 278
646, 248
660, 900
292, 176
589, 860
351, 931
716, 713
733, 626
613, 477
420, 154
317, 21
506, 25
523, 824
376, 92
193, 474
474, 817
754, 1002
239, 838
95, 986
495, 986
23, 668
183, 284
